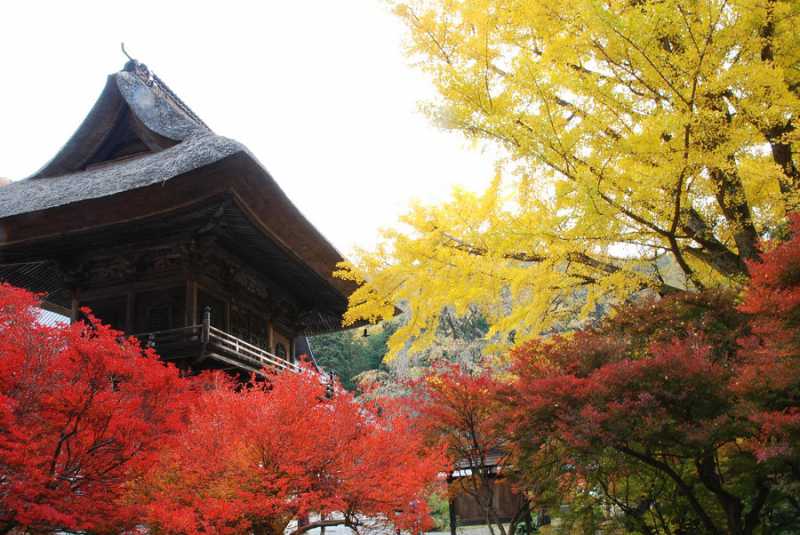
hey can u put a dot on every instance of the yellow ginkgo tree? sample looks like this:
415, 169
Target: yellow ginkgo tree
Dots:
649, 143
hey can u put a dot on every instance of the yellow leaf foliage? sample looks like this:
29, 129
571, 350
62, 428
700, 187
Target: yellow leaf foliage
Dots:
634, 129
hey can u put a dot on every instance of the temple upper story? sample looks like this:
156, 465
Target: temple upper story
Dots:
171, 232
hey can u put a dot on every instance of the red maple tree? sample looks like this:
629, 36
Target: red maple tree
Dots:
466, 414
682, 413
254, 458
82, 410
770, 373
97, 435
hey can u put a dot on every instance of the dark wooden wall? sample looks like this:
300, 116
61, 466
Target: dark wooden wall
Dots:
171, 303
469, 512
159, 310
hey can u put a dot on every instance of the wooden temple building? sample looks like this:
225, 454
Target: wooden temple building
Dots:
477, 486
172, 233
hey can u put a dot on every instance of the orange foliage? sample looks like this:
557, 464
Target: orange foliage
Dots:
255, 458
82, 411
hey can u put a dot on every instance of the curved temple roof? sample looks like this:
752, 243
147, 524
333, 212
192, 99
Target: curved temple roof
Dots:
138, 135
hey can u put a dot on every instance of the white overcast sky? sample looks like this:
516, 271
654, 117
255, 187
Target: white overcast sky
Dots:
319, 90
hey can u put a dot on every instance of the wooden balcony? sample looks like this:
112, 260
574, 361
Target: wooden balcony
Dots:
197, 344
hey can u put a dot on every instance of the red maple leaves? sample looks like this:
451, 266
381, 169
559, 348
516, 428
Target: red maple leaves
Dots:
770, 374
682, 413
255, 458
467, 415
82, 411
98, 435
687, 406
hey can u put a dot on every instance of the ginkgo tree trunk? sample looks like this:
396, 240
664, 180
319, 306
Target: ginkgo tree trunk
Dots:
648, 143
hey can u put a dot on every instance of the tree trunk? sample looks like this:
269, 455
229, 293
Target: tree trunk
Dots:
267, 528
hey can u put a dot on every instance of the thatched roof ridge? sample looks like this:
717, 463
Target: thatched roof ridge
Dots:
147, 97
34, 194
138, 137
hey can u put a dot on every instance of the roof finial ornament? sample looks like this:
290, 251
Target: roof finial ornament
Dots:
134, 65
122, 46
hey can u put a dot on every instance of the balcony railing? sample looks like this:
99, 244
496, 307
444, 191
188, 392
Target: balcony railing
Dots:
245, 351
202, 341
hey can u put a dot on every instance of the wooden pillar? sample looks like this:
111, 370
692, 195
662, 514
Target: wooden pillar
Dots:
227, 327
130, 312
195, 313
205, 333
528, 527
270, 337
188, 313
451, 506
74, 309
